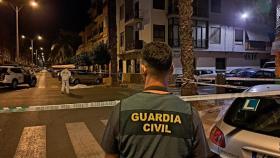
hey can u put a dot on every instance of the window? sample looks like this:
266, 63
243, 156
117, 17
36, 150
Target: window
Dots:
122, 39
3, 70
159, 4
159, 33
239, 36
215, 35
173, 32
216, 6
264, 119
16, 70
200, 34
122, 12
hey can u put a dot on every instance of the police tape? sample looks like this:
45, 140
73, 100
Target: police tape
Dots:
229, 96
237, 79
209, 97
220, 85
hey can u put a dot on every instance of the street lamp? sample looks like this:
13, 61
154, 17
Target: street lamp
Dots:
39, 38
17, 9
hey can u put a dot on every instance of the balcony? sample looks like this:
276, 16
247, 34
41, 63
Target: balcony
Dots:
133, 18
134, 45
256, 46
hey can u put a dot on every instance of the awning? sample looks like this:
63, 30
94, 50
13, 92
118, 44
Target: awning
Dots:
257, 36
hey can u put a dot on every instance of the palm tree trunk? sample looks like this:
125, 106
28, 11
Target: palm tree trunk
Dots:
113, 40
187, 56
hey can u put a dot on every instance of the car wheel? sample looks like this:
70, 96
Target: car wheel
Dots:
76, 82
14, 84
33, 83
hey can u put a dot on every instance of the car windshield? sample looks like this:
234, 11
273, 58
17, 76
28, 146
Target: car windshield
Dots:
260, 115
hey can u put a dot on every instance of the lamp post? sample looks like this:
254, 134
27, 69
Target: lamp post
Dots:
39, 38
17, 9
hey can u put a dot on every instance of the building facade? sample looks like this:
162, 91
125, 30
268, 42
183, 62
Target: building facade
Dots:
226, 34
97, 31
276, 44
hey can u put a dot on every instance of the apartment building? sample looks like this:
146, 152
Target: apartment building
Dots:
97, 31
276, 44
226, 34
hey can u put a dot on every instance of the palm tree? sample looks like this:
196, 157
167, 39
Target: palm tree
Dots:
187, 56
64, 47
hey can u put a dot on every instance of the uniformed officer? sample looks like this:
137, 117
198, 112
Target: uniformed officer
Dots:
155, 123
65, 76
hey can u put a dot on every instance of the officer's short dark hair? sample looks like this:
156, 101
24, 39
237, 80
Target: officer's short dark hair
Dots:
158, 56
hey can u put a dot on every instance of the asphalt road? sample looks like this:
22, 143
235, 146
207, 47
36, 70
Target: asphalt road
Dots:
47, 92
62, 133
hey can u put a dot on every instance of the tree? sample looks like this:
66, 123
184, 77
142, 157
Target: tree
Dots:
101, 55
64, 47
85, 59
187, 56
113, 40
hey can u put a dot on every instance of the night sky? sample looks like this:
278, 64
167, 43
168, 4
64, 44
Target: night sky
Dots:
47, 20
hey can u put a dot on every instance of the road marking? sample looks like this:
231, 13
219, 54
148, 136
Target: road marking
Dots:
84, 144
32, 143
104, 122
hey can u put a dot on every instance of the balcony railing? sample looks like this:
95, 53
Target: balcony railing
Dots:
256, 46
134, 45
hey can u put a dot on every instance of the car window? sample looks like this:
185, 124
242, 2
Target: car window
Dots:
16, 70
269, 65
267, 74
3, 70
264, 119
259, 74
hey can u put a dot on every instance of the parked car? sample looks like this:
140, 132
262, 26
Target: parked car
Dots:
234, 72
252, 73
269, 66
201, 75
250, 128
205, 75
13, 76
83, 77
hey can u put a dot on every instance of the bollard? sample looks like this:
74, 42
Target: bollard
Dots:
220, 79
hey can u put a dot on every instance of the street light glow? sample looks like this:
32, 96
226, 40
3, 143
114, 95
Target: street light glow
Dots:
244, 15
41, 48
34, 4
40, 37
22, 36
1, 1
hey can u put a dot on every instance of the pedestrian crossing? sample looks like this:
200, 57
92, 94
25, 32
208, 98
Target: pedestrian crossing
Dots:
33, 141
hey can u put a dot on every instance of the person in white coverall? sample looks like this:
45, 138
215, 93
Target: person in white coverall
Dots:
65, 76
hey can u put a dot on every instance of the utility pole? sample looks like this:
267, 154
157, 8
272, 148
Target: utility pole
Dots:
32, 50
17, 35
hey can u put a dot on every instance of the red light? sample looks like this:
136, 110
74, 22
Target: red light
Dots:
217, 137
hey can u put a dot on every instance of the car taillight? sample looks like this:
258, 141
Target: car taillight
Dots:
217, 137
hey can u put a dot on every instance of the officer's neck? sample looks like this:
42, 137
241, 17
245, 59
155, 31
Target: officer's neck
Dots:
152, 81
